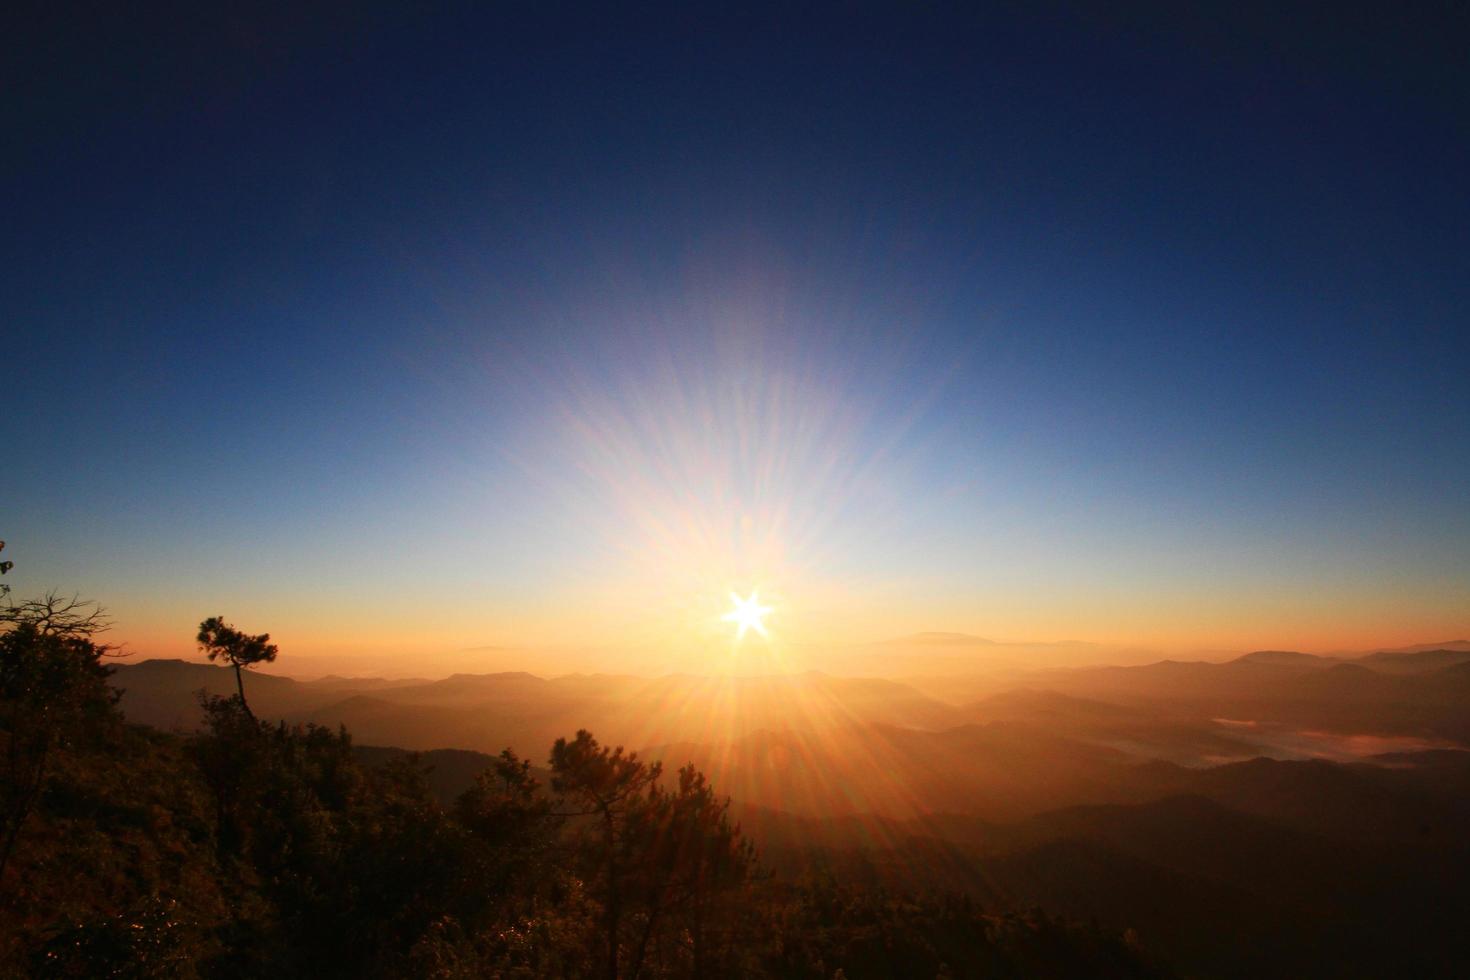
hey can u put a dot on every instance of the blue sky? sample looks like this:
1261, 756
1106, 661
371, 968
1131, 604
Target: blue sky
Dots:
410, 330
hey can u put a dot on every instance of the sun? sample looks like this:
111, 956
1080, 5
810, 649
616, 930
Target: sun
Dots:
746, 615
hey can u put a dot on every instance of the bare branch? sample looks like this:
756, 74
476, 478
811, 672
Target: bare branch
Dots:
57, 614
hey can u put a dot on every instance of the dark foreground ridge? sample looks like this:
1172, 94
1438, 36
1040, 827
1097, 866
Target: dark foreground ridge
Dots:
259, 849
1049, 835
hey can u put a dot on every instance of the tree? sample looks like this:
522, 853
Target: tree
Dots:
53, 694
55, 614
5, 566
53, 690
221, 641
690, 859
606, 785
232, 758
506, 809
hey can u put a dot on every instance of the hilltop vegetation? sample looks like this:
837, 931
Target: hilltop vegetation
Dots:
874, 830
253, 848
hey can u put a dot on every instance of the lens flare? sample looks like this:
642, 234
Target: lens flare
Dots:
746, 615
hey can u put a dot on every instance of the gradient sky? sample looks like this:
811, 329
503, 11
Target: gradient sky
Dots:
403, 332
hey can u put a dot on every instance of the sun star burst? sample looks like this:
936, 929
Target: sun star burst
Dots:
746, 615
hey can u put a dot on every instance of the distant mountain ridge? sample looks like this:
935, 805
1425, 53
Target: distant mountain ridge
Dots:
490, 711
1459, 646
1425, 692
1141, 795
1418, 659
1286, 657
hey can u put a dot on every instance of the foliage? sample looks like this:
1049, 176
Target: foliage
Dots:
825, 929
254, 849
661, 860
53, 695
220, 641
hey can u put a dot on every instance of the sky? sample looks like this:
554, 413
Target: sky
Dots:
401, 331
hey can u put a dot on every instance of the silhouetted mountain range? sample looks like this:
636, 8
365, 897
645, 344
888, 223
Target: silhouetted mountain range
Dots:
1280, 814
1168, 709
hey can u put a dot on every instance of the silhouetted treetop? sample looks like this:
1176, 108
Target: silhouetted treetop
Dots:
221, 641
57, 614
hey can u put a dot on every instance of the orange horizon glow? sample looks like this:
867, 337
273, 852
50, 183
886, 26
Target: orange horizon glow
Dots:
638, 647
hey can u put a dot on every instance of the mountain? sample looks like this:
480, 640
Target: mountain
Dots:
1416, 661
1032, 704
939, 661
459, 689
1214, 890
1282, 658
449, 771
1144, 731
1458, 646
788, 735
338, 683
164, 693
1415, 798
487, 712
1331, 696
1138, 796
1262, 899
1208, 929
1455, 674
997, 771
